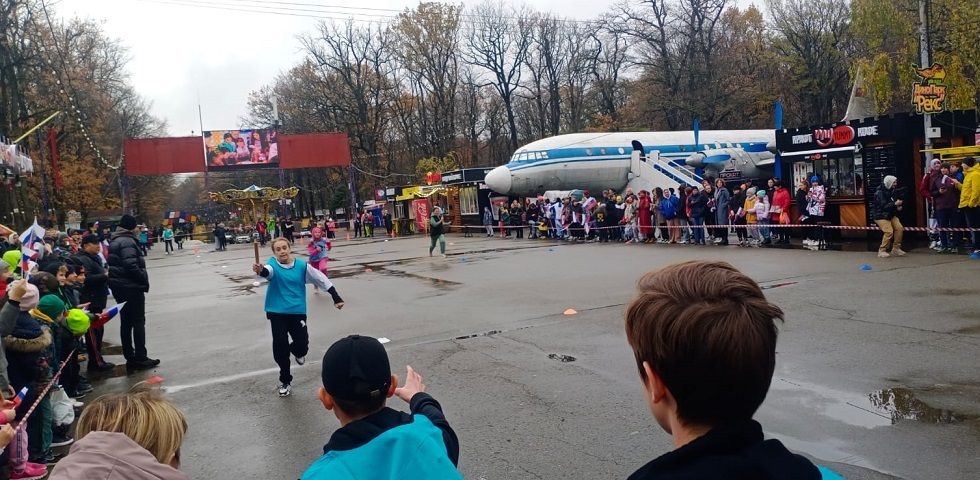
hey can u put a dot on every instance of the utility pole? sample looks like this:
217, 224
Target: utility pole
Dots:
925, 62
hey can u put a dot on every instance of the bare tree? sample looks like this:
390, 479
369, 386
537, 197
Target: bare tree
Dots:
814, 38
498, 41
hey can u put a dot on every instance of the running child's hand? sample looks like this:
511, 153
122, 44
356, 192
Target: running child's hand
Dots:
413, 385
339, 305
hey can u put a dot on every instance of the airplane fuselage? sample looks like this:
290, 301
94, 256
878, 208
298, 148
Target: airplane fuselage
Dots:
596, 161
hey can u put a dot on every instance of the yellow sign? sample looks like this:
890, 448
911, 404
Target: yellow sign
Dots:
929, 95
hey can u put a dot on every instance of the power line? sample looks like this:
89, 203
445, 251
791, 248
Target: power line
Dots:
327, 12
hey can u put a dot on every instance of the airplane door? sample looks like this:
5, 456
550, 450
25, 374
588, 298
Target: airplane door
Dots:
635, 163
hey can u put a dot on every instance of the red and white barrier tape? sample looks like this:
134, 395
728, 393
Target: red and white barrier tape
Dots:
754, 225
54, 381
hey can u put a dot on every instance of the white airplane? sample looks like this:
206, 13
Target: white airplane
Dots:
597, 161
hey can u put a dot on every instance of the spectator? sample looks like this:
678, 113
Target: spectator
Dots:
697, 205
779, 212
126, 436
130, 283
816, 198
946, 199
722, 207
386, 219
94, 291
738, 214
886, 207
692, 350
762, 207
488, 221
970, 199
668, 207
375, 441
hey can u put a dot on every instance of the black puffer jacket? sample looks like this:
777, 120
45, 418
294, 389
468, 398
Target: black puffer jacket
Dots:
127, 270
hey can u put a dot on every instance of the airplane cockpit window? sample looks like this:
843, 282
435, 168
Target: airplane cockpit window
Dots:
522, 158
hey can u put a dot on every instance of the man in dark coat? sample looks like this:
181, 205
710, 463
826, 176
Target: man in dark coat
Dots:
129, 283
95, 292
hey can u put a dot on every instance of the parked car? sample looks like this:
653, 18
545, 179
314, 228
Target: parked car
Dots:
243, 238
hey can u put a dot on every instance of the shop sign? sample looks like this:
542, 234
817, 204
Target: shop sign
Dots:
929, 94
421, 208
839, 135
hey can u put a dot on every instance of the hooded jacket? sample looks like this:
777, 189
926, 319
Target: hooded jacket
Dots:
389, 445
111, 456
127, 269
970, 187
733, 452
25, 350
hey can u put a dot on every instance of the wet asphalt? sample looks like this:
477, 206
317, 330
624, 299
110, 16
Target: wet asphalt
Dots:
876, 377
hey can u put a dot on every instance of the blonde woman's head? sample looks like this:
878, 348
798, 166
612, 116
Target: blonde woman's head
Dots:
143, 415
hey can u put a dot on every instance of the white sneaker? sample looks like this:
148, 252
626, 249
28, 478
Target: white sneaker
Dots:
898, 252
883, 255
285, 390
300, 360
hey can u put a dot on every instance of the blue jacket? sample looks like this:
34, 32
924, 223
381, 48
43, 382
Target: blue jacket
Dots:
390, 445
668, 207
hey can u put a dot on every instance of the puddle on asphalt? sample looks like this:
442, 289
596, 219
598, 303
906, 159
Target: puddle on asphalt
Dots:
437, 283
881, 408
902, 404
561, 358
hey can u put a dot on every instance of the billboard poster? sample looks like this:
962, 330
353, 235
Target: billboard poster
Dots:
247, 148
421, 208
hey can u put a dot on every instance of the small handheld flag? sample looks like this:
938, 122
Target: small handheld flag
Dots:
20, 397
113, 311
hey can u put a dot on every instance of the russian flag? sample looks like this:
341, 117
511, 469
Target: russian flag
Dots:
113, 311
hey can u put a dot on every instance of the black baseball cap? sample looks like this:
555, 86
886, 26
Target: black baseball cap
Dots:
356, 368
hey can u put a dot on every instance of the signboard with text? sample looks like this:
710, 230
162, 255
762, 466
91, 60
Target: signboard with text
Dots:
929, 94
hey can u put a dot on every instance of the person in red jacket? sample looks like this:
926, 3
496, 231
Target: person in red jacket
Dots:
779, 211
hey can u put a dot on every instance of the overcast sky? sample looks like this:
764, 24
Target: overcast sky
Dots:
218, 54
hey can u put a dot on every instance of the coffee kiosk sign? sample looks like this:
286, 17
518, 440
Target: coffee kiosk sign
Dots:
929, 94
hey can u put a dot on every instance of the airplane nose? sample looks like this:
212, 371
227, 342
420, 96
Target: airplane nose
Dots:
499, 179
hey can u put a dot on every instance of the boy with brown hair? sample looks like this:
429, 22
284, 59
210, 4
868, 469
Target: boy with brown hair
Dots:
704, 339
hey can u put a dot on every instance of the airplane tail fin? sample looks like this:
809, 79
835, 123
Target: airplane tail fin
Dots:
862, 101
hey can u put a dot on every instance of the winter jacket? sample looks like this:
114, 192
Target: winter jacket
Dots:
722, 200
817, 200
668, 207
390, 445
111, 456
780, 200
8, 319
884, 203
970, 187
26, 349
762, 208
699, 204
735, 451
127, 269
949, 199
749, 209
96, 279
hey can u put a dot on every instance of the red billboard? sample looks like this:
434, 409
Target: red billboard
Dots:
267, 149
163, 156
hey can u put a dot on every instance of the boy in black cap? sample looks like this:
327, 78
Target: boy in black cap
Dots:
375, 441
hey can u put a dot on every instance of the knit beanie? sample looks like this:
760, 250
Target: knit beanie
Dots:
889, 181
12, 257
78, 321
751, 190
127, 222
761, 194
52, 306
29, 300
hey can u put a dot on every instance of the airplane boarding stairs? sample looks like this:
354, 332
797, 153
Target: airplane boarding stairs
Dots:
647, 172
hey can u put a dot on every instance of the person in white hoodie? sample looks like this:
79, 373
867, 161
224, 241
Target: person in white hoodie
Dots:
762, 208
126, 436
